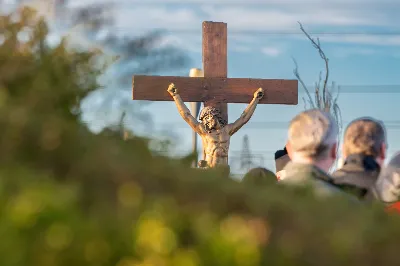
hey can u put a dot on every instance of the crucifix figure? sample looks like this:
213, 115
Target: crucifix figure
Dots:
215, 90
215, 132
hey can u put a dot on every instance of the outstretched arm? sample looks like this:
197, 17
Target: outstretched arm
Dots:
183, 110
247, 113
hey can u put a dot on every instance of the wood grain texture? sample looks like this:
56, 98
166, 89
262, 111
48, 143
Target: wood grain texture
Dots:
214, 89
215, 58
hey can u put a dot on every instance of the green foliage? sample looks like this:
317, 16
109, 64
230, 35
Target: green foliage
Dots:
42, 78
68, 197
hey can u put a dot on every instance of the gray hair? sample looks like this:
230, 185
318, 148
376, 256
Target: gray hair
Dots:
312, 133
387, 187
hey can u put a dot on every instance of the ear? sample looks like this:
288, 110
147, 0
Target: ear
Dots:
280, 175
344, 155
382, 154
333, 151
289, 149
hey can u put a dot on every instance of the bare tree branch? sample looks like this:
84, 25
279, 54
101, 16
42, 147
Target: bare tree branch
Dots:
317, 45
327, 101
305, 103
296, 73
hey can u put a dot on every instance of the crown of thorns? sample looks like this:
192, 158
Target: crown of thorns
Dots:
209, 110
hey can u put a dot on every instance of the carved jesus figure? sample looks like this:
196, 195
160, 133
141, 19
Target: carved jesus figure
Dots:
214, 131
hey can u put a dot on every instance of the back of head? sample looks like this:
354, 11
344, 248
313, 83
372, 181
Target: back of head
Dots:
364, 136
388, 184
259, 177
312, 134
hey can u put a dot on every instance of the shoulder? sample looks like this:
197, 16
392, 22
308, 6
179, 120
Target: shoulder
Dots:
227, 128
201, 129
360, 179
324, 188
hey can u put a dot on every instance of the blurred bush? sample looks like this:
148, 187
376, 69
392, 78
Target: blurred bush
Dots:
68, 197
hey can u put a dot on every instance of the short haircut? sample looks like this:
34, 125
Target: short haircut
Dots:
259, 177
312, 133
365, 136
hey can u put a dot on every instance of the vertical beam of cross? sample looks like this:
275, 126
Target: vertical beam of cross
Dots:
215, 63
195, 106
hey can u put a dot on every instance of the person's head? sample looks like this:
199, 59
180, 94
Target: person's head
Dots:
312, 139
365, 136
388, 184
259, 177
211, 118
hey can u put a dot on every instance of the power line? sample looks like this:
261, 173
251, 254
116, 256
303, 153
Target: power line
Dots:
389, 124
244, 3
359, 89
356, 89
270, 32
236, 153
253, 3
394, 124
259, 126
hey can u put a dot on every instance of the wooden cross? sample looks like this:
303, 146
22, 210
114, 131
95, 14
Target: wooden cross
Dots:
215, 89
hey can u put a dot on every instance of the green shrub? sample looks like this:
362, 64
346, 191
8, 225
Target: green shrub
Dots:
68, 197
114, 206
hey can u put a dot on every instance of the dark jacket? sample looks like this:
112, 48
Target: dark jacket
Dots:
297, 173
358, 174
281, 159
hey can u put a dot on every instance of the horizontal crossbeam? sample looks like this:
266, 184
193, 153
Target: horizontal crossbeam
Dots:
223, 90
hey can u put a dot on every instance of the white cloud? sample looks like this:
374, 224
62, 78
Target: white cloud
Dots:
240, 17
188, 44
255, 21
285, 19
271, 51
247, 24
193, 44
150, 18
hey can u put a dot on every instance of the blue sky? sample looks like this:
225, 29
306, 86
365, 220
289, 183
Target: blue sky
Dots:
361, 39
